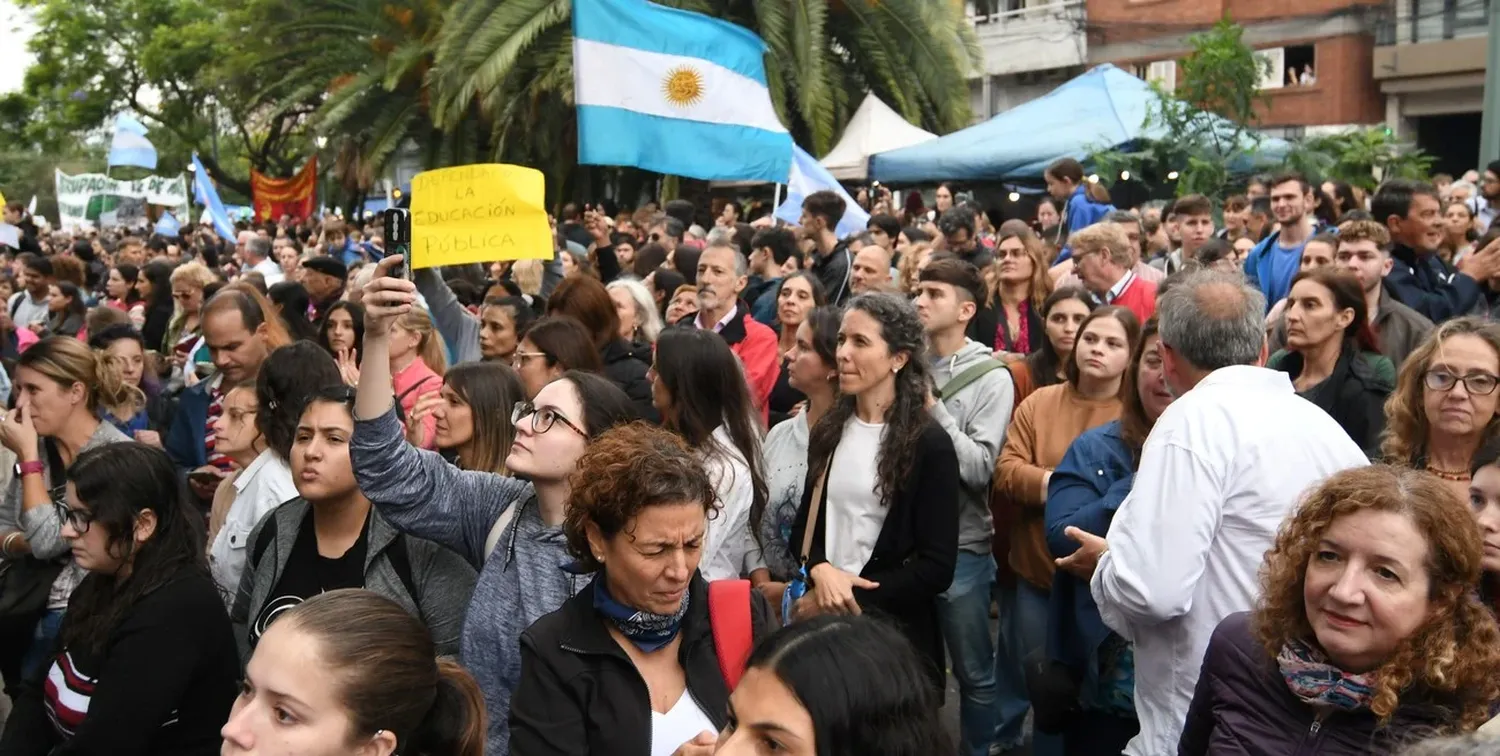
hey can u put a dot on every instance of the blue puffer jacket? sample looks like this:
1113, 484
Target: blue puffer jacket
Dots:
1086, 489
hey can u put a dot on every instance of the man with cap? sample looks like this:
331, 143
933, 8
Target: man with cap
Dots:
324, 278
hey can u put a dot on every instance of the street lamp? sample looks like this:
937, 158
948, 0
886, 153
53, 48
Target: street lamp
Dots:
322, 142
1172, 176
1015, 196
1124, 175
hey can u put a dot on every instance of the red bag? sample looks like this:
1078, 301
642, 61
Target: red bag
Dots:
734, 634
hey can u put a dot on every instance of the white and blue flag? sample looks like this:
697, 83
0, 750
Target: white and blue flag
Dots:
130, 145
208, 196
167, 225
674, 92
808, 176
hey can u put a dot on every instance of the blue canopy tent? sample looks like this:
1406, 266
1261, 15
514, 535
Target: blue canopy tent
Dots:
1100, 109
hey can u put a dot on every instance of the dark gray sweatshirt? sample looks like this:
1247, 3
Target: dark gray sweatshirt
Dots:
423, 495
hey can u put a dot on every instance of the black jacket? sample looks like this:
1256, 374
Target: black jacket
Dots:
986, 328
625, 365
166, 680
1353, 395
1420, 281
1242, 707
917, 548
580, 695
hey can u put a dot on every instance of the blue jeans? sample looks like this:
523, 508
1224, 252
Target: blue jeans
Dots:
964, 613
1023, 629
43, 641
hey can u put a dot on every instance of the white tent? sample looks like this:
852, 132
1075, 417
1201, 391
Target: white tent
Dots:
875, 128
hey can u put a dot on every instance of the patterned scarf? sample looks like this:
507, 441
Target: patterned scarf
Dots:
1313, 679
647, 631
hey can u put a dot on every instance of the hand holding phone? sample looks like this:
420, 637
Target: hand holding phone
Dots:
398, 239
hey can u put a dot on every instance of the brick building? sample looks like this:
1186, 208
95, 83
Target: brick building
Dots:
1321, 52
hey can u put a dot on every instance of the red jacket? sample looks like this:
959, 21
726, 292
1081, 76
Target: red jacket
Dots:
758, 349
1140, 297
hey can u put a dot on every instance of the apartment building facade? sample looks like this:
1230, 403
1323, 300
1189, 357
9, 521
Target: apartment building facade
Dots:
1030, 47
1429, 61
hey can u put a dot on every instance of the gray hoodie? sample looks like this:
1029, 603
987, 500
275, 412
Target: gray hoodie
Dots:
458, 327
976, 419
442, 580
423, 495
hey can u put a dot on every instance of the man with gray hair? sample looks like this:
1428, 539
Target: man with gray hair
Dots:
723, 274
258, 258
1223, 466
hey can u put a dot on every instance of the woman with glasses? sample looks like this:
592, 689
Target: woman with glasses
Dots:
330, 537
553, 346
1444, 405
60, 384
1014, 328
183, 341
146, 662
479, 514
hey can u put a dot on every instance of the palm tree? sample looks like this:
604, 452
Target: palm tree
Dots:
509, 63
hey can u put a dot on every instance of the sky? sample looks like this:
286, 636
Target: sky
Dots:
15, 29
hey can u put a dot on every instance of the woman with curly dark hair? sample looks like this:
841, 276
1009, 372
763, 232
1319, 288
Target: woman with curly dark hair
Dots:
1368, 633
637, 520
1445, 403
881, 536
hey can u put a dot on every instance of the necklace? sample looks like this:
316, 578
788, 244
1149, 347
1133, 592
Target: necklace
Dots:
1461, 476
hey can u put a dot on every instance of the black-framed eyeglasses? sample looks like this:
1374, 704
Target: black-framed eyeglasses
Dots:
542, 419
1478, 384
77, 519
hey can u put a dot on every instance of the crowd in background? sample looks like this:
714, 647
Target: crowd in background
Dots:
1207, 476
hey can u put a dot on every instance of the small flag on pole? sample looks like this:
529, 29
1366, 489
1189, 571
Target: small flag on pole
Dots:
130, 145
674, 92
808, 176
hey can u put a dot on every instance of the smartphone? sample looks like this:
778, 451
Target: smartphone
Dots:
398, 239
204, 477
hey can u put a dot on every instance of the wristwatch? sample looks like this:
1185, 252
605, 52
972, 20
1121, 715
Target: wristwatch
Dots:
35, 466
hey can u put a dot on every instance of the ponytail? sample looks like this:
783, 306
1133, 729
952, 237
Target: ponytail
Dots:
456, 723
1096, 192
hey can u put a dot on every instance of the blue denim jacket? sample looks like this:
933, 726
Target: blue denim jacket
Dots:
1087, 487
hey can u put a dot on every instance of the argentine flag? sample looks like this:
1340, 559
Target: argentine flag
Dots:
808, 176
674, 92
208, 197
130, 145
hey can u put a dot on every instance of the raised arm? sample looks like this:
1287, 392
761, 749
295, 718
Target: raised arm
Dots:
457, 326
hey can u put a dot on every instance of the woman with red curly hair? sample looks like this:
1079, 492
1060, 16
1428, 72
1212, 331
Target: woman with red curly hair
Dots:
630, 665
1368, 634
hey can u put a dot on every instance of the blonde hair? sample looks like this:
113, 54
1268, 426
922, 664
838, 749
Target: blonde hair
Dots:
193, 272
907, 269
528, 276
429, 344
66, 361
1106, 237
1407, 428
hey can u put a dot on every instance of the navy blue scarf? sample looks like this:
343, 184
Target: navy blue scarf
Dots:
649, 632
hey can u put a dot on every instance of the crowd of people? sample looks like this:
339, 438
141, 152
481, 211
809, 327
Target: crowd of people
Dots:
1210, 476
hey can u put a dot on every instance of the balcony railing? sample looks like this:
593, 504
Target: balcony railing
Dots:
1434, 20
1001, 12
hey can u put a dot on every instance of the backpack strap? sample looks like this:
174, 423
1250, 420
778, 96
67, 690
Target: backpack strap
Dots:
498, 529
400, 556
734, 633
968, 376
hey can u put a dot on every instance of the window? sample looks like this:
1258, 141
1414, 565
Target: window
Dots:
1300, 62
1163, 72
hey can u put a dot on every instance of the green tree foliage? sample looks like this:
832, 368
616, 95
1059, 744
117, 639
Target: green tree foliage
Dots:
1363, 158
1207, 123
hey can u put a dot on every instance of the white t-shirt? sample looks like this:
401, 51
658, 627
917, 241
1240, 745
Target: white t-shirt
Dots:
855, 514
683, 723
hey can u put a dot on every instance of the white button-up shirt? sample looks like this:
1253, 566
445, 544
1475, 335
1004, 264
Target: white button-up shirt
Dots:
271, 270
262, 487
1223, 467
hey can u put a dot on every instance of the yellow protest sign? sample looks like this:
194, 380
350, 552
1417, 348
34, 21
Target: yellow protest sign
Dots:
479, 213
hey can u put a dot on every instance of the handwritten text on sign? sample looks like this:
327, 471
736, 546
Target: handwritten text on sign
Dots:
479, 213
